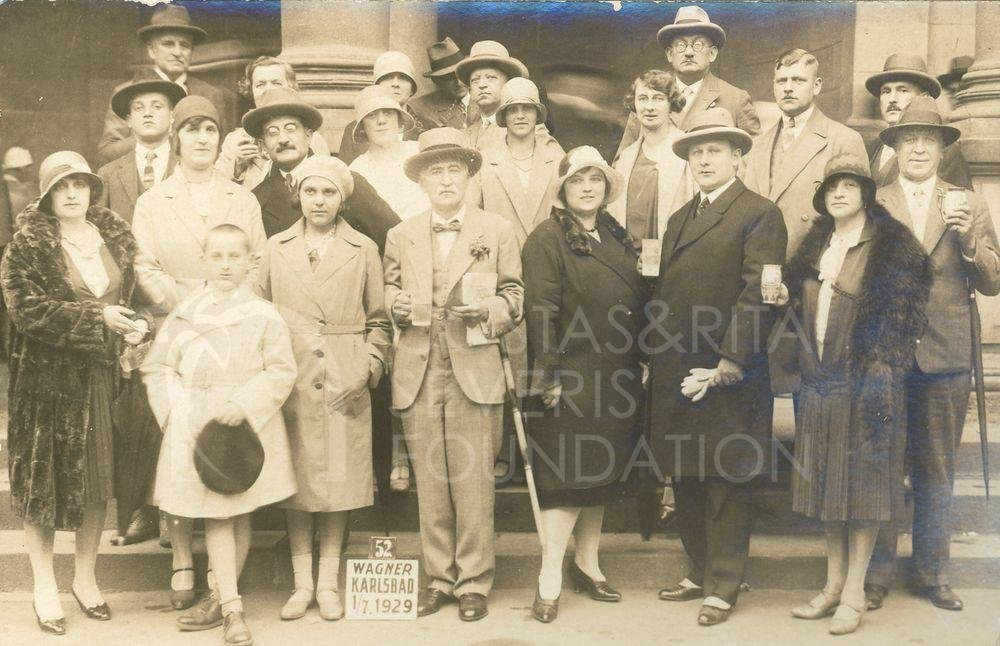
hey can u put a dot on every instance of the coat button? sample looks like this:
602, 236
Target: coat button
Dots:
805, 218
319, 353
318, 386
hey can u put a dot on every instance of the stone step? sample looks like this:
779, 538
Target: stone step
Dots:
776, 561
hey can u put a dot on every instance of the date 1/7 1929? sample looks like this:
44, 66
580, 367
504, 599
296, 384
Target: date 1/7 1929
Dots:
381, 606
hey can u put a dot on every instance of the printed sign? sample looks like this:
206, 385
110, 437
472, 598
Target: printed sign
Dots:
381, 586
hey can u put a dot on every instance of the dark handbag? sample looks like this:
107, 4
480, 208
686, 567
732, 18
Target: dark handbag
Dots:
228, 459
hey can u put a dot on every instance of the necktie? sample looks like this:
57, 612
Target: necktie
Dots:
148, 174
452, 225
290, 184
788, 134
701, 208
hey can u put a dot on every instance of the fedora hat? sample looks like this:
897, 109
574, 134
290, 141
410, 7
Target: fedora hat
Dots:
62, 164
394, 62
490, 53
17, 157
691, 20
329, 168
171, 17
438, 144
922, 112
904, 67
443, 57
371, 99
713, 123
843, 164
228, 459
586, 157
520, 91
277, 102
956, 70
145, 80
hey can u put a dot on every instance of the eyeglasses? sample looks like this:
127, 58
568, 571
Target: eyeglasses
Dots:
681, 46
289, 128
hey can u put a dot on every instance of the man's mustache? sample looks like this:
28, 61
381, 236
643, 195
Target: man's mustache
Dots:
283, 147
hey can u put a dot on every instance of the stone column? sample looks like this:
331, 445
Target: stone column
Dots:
333, 46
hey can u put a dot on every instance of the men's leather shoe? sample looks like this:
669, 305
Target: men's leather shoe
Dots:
875, 594
207, 614
472, 606
680, 593
430, 601
235, 632
942, 596
710, 616
143, 526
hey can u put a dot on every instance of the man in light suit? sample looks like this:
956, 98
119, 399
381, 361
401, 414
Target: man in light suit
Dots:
692, 44
145, 105
448, 388
169, 39
787, 161
964, 253
903, 77
485, 71
449, 103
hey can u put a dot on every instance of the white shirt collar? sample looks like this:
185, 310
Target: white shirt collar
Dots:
162, 151
909, 186
180, 80
465, 99
460, 216
717, 192
492, 119
695, 87
800, 120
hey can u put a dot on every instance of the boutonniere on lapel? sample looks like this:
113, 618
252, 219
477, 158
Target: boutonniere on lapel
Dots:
479, 249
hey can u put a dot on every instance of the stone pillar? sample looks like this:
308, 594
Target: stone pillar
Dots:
333, 46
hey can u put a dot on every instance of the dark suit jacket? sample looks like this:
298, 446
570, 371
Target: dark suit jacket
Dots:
121, 183
349, 150
714, 93
707, 305
953, 169
946, 343
117, 138
368, 213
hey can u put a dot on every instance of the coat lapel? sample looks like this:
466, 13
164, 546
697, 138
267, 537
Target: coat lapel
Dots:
538, 184
293, 251
808, 145
934, 227
675, 226
611, 253
222, 196
507, 175
128, 176
708, 93
180, 202
695, 228
422, 256
340, 251
891, 197
459, 259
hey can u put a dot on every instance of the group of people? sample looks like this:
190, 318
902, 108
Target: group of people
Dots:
283, 304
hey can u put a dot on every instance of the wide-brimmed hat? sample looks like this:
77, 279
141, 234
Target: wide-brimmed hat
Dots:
376, 97
17, 157
922, 112
691, 20
586, 157
145, 81
956, 70
171, 17
904, 67
62, 164
713, 123
278, 102
394, 62
519, 91
228, 459
843, 164
443, 57
438, 144
327, 167
490, 53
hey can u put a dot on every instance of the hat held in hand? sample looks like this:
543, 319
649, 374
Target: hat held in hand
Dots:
228, 459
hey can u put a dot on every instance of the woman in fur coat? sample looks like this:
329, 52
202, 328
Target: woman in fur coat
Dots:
67, 280
858, 286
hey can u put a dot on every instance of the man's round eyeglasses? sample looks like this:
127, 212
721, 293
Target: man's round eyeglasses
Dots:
681, 46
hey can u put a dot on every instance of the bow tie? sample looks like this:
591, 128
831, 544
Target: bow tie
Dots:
451, 225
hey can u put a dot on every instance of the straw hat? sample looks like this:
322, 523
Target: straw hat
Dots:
586, 157
843, 164
443, 57
171, 17
713, 123
691, 20
904, 67
329, 168
145, 80
371, 99
438, 144
519, 91
280, 102
17, 157
63, 164
394, 62
922, 112
490, 53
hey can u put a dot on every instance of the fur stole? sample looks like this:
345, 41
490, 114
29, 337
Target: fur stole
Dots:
579, 239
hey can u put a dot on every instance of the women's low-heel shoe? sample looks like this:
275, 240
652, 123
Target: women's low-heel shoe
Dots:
598, 590
182, 599
50, 626
100, 612
297, 605
846, 619
820, 606
235, 630
330, 606
545, 610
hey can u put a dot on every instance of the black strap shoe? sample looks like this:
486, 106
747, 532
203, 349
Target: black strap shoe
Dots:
472, 606
942, 596
100, 612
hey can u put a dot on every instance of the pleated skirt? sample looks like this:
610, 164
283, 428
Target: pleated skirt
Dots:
99, 451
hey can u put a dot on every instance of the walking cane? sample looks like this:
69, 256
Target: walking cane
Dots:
522, 440
977, 366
